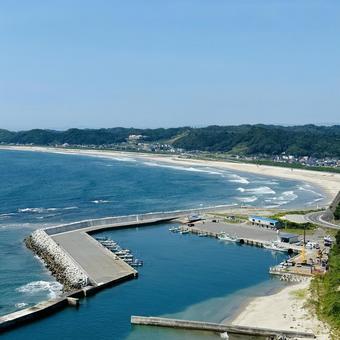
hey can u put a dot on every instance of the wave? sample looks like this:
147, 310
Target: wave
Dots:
273, 206
259, 191
247, 199
53, 289
307, 187
285, 198
266, 182
100, 201
238, 179
183, 168
20, 305
41, 210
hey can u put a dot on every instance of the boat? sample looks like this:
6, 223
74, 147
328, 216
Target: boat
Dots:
202, 234
274, 246
174, 229
121, 252
125, 256
104, 238
185, 231
137, 263
227, 237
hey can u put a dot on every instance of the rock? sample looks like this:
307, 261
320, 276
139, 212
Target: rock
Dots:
57, 261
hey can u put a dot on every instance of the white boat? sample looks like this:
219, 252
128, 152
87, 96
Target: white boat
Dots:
185, 231
227, 237
274, 246
174, 229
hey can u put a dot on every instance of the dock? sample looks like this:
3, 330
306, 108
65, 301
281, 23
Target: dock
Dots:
101, 267
216, 327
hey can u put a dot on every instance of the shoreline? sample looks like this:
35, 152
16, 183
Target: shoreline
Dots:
328, 183
284, 310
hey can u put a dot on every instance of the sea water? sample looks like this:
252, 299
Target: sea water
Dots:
184, 276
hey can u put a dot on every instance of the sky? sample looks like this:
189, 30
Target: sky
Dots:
144, 63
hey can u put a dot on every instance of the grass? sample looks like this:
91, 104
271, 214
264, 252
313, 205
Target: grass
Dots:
300, 294
297, 231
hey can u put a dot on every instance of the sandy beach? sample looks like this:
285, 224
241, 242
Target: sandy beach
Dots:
284, 310
328, 182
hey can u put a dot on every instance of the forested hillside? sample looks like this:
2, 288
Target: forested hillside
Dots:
311, 140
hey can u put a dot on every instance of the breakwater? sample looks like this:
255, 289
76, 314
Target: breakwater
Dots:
67, 249
216, 327
61, 265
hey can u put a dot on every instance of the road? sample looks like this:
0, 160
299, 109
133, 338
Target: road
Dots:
317, 218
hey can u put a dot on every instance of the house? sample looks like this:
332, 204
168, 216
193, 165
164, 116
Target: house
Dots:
264, 222
288, 238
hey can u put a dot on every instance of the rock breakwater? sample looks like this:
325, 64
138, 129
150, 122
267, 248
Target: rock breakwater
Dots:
61, 265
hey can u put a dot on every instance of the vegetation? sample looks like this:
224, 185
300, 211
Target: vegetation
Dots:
318, 141
244, 140
325, 291
337, 212
292, 227
86, 136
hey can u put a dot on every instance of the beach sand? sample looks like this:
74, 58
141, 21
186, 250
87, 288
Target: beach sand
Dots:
284, 310
328, 182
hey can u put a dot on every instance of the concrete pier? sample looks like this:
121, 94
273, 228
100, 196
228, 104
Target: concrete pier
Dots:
78, 252
215, 327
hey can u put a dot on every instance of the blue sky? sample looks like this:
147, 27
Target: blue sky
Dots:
168, 63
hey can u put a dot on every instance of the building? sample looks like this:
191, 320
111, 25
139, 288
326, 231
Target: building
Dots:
288, 238
264, 222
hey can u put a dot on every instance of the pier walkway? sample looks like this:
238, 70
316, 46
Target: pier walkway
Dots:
216, 327
100, 264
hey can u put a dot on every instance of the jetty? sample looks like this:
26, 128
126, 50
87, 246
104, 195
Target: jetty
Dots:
80, 262
216, 327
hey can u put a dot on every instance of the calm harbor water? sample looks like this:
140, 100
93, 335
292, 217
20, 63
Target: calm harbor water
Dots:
184, 276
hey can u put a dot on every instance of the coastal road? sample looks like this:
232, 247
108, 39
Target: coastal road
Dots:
317, 218
99, 263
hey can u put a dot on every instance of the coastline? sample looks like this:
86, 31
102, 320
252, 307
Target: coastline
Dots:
284, 310
258, 306
329, 183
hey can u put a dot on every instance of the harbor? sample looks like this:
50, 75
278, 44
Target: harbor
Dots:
81, 250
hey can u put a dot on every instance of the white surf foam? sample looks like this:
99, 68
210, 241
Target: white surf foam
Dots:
264, 190
183, 168
53, 289
20, 305
238, 179
247, 199
41, 210
100, 201
308, 187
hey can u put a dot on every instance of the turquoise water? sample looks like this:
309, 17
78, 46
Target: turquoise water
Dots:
188, 277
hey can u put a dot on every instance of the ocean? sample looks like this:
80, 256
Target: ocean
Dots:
184, 276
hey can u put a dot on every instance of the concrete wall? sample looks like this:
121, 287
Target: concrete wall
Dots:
214, 327
125, 219
329, 213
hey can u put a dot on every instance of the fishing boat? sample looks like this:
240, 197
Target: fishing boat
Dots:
274, 246
228, 238
185, 231
137, 263
104, 238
